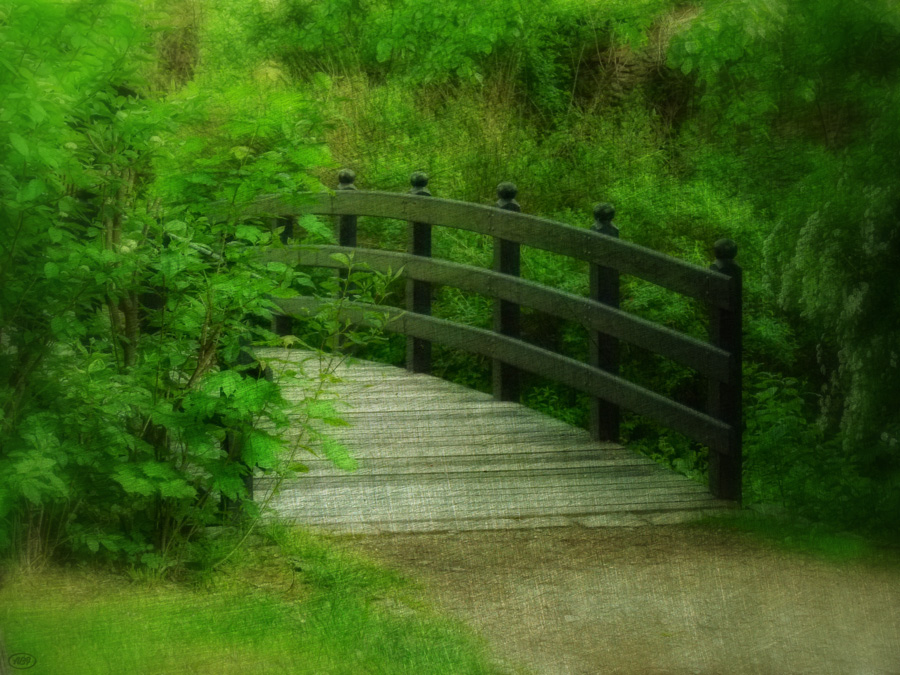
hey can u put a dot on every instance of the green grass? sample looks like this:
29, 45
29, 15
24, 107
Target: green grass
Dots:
814, 539
292, 603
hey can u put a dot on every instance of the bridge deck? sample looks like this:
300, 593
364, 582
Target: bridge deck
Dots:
436, 456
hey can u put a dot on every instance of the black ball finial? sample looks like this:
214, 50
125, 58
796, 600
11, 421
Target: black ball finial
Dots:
725, 249
346, 177
419, 183
506, 197
603, 215
507, 191
604, 212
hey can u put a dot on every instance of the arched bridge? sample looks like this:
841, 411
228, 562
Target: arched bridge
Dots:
435, 455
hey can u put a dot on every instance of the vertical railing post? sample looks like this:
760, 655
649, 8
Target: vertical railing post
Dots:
506, 379
724, 403
345, 235
418, 293
604, 352
282, 324
346, 225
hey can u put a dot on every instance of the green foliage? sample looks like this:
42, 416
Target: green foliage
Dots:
123, 308
466, 41
801, 101
791, 463
549, 400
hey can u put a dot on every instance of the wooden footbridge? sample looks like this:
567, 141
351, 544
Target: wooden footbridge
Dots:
437, 456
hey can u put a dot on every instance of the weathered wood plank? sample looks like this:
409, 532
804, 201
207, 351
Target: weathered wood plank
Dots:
493, 495
561, 459
379, 502
496, 484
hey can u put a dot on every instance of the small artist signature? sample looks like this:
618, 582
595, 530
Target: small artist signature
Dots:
21, 661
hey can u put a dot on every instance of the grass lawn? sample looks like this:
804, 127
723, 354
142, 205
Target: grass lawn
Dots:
289, 603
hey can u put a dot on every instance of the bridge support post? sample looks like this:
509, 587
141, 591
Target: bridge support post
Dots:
724, 401
506, 379
604, 349
418, 293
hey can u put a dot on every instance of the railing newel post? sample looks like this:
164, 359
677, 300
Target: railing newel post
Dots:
724, 401
418, 293
604, 349
281, 323
345, 235
506, 379
346, 225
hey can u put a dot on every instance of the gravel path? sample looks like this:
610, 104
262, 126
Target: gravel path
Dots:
646, 600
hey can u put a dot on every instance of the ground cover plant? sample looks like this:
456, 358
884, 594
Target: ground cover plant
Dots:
287, 603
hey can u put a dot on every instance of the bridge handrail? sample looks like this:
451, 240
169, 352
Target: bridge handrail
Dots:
701, 356
549, 235
720, 287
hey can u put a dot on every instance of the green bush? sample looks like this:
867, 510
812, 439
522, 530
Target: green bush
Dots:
123, 307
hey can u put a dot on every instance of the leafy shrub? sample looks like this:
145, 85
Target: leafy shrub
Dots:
124, 309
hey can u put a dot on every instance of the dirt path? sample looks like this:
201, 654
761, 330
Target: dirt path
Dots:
667, 600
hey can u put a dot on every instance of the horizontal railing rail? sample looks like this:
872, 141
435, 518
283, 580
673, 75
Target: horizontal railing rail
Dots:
701, 356
549, 235
534, 359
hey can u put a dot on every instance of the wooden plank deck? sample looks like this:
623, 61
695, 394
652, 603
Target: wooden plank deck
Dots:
436, 456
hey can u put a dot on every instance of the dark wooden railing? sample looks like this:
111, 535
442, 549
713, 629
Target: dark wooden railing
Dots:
719, 360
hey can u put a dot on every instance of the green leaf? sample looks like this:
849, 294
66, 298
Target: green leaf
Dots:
19, 144
247, 233
341, 258
260, 449
312, 225
51, 270
201, 179
229, 484
59, 325
171, 263
383, 50
35, 188
157, 469
133, 484
31, 493
324, 410
36, 113
177, 489
110, 544
339, 455
152, 560
322, 80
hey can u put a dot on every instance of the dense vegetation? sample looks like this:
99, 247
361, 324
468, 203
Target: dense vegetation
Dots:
772, 122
